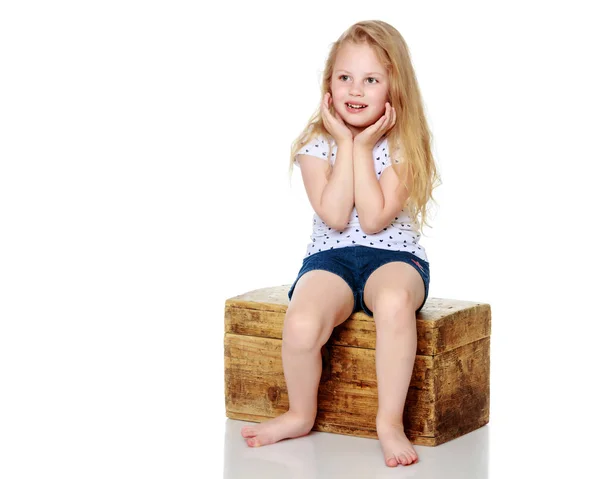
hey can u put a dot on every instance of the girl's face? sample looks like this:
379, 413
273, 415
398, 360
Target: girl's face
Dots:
359, 86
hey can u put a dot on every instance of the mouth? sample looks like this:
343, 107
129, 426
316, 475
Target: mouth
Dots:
355, 107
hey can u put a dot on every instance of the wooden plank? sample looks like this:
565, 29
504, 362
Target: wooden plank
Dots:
462, 385
442, 324
464, 326
255, 385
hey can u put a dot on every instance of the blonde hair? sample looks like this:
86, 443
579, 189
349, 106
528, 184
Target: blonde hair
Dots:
410, 137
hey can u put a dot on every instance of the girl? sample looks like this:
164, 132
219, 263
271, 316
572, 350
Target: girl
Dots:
365, 253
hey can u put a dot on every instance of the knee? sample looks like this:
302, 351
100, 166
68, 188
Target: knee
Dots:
303, 332
393, 308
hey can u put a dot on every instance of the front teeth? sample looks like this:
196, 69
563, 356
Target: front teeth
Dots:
356, 106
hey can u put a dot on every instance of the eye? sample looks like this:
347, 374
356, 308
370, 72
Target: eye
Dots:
372, 82
343, 77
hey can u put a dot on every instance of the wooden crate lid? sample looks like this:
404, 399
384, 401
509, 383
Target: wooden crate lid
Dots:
442, 324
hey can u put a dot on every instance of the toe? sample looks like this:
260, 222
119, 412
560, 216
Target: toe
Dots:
248, 432
391, 461
252, 442
403, 459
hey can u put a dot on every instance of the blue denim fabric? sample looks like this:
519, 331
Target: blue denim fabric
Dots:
354, 264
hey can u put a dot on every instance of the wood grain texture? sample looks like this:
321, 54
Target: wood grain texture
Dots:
449, 391
442, 324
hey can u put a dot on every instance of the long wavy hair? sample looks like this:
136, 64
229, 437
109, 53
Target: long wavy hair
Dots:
410, 137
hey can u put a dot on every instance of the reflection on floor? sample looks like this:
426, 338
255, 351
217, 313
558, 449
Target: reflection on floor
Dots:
329, 455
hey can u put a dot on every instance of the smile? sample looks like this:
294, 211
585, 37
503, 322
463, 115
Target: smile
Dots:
355, 108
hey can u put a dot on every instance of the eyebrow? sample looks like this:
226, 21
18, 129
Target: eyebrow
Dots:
370, 73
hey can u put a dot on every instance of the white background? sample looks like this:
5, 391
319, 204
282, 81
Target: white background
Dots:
144, 151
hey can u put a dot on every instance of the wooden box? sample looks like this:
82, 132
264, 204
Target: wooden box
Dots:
449, 393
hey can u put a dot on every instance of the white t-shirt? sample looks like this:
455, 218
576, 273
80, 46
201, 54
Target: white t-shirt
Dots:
400, 235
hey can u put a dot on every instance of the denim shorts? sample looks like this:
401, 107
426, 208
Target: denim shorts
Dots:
354, 264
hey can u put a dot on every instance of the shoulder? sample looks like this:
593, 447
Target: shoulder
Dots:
319, 141
319, 146
390, 155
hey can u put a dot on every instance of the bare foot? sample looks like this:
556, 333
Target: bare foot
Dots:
287, 425
396, 447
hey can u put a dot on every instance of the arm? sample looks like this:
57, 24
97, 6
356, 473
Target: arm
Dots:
389, 194
338, 195
367, 192
377, 202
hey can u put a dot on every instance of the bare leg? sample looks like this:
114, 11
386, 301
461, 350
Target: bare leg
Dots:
395, 357
321, 301
302, 371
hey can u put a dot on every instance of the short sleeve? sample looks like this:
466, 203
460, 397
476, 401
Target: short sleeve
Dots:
387, 157
318, 147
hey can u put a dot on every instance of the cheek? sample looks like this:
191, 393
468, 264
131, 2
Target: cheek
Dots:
382, 98
337, 94
381, 109
338, 102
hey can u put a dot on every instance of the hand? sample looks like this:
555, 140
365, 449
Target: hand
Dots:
334, 124
371, 135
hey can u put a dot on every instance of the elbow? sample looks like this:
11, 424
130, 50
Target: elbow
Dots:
343, 224
335, 224
371, 231
371, 228
340, 226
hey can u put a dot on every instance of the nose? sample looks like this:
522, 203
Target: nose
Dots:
356, 89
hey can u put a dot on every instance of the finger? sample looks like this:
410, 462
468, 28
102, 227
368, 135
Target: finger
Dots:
325, 110
388, 121
383, 120
325, 115
386, 113
328, 102
376, 127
